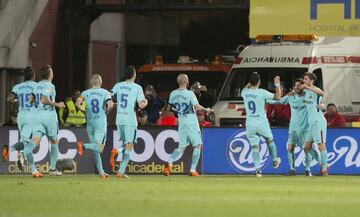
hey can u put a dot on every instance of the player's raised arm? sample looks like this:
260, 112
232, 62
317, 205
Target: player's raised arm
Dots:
247, 85
277, 88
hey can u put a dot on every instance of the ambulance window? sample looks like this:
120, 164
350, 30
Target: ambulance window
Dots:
238, 78
319, 81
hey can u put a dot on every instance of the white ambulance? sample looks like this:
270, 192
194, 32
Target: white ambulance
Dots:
335, 61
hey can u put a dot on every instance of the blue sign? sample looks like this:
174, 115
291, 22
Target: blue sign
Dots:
227, 151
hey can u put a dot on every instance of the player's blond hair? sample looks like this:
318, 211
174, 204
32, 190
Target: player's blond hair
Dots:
96, 80
182, 79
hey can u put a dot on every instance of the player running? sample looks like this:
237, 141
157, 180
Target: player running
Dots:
298, 126
127, 94
257, 123
46, 119
316, 121
23, 94
185, 104
98, 103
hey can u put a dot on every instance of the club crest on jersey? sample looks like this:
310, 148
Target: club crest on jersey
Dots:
239, 155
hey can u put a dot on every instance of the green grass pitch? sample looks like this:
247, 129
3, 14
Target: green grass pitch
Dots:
143, 196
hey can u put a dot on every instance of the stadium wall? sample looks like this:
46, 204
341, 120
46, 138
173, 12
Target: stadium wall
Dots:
225, 151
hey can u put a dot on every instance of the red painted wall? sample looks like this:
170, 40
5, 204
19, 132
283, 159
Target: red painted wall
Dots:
51, 38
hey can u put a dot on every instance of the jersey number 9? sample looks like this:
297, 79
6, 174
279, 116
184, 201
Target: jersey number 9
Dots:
252, 106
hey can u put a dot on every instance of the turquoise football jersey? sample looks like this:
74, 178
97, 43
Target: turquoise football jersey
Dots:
46, 88
24, 91
299, 115
96, 99
127, 95
184, 101
311, 100
254, 102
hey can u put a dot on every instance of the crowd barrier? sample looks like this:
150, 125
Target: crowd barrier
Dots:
225, 151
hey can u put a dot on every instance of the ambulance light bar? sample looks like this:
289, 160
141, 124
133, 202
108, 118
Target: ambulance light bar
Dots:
285, 38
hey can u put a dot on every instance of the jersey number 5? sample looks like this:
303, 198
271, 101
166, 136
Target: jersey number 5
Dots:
123, 100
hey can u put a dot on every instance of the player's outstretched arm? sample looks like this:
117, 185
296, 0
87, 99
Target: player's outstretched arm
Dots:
199, 107
315, 89
282, 101
45, 100
277, 88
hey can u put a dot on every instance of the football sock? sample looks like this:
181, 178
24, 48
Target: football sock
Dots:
315, 155
121, 149
29, 147
324, 159
256, 157
17, 146
175, 155
195, 158
125, 161
92, 146
291, 159
98, 162
272, 150
54, 152
308, 159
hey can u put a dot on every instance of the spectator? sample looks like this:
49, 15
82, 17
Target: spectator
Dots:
155, 104
202, 119
142, 118
277, 114
167, 119
334, 118
13, 120
200, 93
70, 115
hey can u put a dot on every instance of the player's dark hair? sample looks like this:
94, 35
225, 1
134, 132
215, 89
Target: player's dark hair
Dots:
331, 104
29, 73
254, 78
44, 72
129, 72
299, 80
311, 75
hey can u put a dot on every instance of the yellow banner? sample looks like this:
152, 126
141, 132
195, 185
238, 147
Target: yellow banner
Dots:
321, 17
